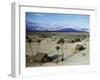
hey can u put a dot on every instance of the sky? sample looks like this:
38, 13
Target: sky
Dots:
81, 21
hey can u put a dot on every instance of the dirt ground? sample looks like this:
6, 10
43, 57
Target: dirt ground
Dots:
71, 56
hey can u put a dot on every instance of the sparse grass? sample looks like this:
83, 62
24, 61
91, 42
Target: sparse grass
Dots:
49, 43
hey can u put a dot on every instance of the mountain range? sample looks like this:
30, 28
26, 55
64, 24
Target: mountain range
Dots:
30, 26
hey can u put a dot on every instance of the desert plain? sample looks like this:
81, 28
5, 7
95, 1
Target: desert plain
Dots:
74, 48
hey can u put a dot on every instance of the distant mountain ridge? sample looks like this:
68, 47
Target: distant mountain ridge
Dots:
55, 28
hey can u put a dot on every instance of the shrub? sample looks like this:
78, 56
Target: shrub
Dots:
79, 47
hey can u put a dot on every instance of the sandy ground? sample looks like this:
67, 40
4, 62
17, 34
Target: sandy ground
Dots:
71, 56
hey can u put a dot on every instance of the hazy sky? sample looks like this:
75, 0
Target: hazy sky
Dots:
77, 20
